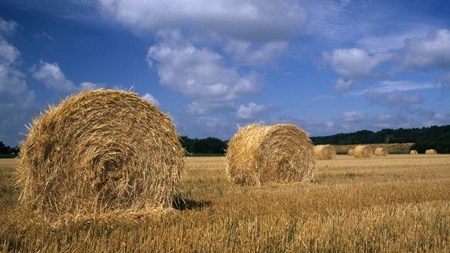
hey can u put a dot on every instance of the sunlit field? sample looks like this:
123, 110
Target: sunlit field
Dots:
398, 203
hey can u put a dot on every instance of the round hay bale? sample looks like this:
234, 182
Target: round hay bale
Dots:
381, 152
413, 152
350, 152
363, 151
258, 154
325, 152
431, 152
99, 152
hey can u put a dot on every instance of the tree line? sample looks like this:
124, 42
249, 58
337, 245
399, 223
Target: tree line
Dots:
208, 146
434, 137
7, 151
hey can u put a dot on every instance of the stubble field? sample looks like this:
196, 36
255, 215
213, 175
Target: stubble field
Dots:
398, 203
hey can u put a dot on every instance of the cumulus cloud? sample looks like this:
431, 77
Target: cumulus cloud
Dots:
391, 99
151, 99
248, 20
53, 78
354, 64
199, 73
253, 111
391, 86
207, 107
433, 52
17, 102
246, 53
7, 27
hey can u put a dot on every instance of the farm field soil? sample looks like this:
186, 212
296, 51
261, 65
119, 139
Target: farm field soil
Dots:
397, 203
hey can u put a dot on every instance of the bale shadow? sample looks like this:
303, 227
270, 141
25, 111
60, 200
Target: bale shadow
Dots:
188, 204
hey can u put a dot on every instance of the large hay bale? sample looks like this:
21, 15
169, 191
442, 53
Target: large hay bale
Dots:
99, 152
325, 152
350, 152
258, 154
363, 151
381, 152
431, 152
413, 152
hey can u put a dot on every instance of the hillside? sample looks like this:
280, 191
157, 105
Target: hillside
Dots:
436, 137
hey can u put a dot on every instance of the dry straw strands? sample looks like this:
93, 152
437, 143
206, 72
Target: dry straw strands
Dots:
431, 152
258, 154
413, 152
381, 152
100, 152
350, 152
325, 152
363, 151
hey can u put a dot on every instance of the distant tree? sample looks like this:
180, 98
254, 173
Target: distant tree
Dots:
210, 145
436, 137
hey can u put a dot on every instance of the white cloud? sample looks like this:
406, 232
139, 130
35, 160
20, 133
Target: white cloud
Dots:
7, 27
353, 116
53, 78
429, 53
8, 53
390, 99
199, 73
208, 107
244, 53
17, 102
253, 111
355, 63
151, 99
393, 39
391, 86
248, 20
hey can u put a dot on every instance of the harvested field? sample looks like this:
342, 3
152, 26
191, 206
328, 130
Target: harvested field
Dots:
397, 203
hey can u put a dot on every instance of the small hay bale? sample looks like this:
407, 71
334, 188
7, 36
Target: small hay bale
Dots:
363, 151
325, 152
381, 152
100, 152
413, 152
258, 154
350, 152
431, 152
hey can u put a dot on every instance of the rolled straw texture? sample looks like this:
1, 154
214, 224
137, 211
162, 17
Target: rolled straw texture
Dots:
258, 154
362, 151
100, 151
431, 152
413, 152
350, 152
381, 152
325, 152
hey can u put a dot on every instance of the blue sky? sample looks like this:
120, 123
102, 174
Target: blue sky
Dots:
327, 66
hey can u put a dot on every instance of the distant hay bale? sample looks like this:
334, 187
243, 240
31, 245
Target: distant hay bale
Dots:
350, 152
413, 152
100, 152
363, 151
325, 152
381, 152
258, 154
431, 152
